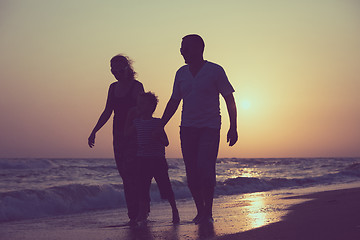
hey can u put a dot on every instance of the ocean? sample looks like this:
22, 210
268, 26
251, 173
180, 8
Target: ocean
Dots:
33, 188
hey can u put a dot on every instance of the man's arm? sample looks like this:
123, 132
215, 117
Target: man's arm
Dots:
163, 138
170, 110
232, 135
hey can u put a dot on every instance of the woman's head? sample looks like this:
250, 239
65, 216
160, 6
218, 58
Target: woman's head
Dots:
121, 68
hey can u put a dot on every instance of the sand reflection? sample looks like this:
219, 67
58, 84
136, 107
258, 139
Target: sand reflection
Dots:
258, 214
265, 208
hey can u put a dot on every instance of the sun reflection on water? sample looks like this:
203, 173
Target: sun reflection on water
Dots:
243, 172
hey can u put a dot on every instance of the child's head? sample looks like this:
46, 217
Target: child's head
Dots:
147, 103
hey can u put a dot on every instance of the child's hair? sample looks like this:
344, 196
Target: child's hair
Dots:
151, 98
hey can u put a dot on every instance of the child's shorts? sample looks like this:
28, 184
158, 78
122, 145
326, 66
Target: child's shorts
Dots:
154, 167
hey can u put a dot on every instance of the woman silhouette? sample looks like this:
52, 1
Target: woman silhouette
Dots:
122, 96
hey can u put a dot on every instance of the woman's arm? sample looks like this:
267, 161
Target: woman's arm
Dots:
104, 117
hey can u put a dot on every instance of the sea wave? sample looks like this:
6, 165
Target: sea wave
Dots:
78, 198
69, 199
240, 185
33, 188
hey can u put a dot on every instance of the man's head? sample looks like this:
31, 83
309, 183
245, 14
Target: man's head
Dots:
192, 48
147, 103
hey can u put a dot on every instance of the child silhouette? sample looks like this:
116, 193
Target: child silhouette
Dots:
150, 154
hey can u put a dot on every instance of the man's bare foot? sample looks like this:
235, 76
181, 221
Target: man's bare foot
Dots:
175, 217
132, 223
206, 220
197, 218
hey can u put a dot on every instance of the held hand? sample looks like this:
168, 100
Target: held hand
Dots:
159, 134
91, 140
232, 136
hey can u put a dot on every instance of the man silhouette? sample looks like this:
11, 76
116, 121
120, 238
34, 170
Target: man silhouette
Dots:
199, 84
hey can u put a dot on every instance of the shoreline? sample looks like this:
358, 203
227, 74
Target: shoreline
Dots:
328, 212
327, 215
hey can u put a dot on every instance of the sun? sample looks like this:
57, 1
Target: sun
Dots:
245, 104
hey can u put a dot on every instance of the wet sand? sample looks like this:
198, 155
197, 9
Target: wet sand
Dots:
330, 215
265, 215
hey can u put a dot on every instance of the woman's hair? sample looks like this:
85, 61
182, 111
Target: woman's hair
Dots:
127, 61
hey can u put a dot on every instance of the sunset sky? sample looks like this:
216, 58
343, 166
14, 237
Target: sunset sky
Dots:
295, 67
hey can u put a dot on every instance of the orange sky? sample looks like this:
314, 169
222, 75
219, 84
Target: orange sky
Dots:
294, 66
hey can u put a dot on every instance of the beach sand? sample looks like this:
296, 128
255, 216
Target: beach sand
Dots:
329, 215
266, 215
